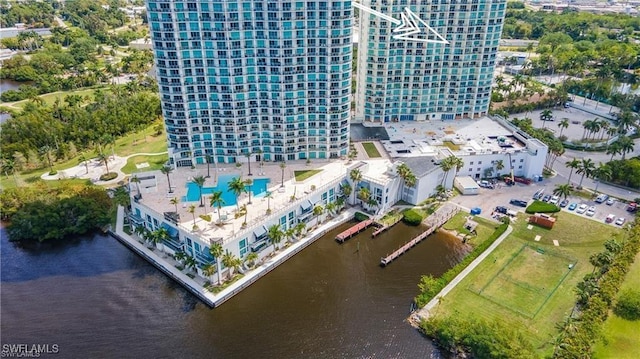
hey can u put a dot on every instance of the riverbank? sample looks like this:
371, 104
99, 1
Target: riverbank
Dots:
163, 262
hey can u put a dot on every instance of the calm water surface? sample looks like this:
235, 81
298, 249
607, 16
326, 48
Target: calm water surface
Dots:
94, 298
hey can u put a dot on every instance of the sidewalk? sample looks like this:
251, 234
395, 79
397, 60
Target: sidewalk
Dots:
425, 312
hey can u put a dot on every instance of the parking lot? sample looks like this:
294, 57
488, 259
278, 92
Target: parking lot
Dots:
489, 199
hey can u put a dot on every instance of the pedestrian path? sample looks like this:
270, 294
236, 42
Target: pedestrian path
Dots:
93, 169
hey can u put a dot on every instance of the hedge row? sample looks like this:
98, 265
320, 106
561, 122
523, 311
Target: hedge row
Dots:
542, 207
412, 217
359, 216
430, 286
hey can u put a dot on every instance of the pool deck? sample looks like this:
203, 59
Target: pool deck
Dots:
155, 194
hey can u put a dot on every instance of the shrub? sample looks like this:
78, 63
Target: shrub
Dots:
412, 217
205, 217
628, 306
108, 176
542, 207
53, 173
359, 216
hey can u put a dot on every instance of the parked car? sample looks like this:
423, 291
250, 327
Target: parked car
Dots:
610, 218
572, 206
501, 209
620, 221
554, 200
564, 203
582, 208
518, 202
546, 198
611, 201
632, 207
591, 211
486, 184
602, 198
539, 193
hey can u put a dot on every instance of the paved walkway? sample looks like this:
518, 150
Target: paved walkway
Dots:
424, 312
94, 169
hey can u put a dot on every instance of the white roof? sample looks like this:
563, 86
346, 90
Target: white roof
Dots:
467, 182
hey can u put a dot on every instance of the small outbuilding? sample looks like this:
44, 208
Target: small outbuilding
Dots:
466, 185
543, 220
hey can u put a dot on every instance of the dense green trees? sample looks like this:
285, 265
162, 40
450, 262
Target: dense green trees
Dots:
625, 172
628, 305
43, 213
70, 125
31, 12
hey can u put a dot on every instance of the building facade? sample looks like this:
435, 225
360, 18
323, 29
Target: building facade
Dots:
412, 80
264, 79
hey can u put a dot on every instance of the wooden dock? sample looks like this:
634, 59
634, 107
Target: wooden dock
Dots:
354, 230
385, 227
436, 220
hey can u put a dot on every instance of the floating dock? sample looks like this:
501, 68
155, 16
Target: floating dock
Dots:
436, 220
385, 227
354, 230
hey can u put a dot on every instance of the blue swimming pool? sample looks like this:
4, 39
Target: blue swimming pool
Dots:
258, 188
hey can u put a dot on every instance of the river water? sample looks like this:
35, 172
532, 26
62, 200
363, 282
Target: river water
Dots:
95, 298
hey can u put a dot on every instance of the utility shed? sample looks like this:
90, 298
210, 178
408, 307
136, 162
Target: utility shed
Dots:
542, 220
466, 185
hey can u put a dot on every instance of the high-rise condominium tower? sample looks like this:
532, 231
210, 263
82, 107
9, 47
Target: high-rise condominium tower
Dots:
413, 80
266, 78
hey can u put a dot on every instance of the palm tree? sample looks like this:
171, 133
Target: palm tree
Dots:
289, 234
104, 159
251, 258
136, 180
299, 228
231, 261
562, 190
282, 167
215, 249
268, 196
499, 167
209, 270
166, 170
174, 201
457, 163
446, 165
585, 169
162, 234
626, 145
408, 178
199, 181
346, 189
330, 207
356, 176
192, 210
573, 165
248, 156
141, 231
563, 124
216, 200
249, 183
237, 186
275, 235
545, 116
207, 158
602, 173
243, 212
83, 159
372, 203
604, 126
317, 211
364, 194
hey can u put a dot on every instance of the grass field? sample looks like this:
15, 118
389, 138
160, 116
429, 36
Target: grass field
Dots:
525, 272
451, 145
305, 174
483, 230
526, 282
621, 338
371, 150
50, 98
155, 163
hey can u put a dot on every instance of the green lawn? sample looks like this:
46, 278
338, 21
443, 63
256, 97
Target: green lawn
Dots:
371, 150
452, 146
621, 338
484, 228
305, 174
526, 277
155, 163
50, 98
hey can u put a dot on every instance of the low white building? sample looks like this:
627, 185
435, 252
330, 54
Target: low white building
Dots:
466, 185
429, 175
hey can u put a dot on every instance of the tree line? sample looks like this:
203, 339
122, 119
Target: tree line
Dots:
42, 132
31, 12
44, 213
